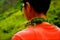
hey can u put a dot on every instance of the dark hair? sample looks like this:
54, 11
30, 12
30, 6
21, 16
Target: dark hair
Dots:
39, 5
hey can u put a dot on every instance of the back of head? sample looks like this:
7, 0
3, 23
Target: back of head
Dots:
39, 5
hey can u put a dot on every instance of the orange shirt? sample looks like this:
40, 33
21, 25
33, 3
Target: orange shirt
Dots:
45, 31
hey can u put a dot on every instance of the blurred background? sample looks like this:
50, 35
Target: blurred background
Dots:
11, 17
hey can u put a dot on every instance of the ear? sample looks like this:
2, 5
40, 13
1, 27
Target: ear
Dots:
28, 6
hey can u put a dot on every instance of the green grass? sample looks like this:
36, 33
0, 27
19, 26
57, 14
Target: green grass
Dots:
11, 25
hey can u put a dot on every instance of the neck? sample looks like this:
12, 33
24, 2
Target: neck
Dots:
41, 15
37, 15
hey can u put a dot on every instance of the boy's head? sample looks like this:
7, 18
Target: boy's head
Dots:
35, 6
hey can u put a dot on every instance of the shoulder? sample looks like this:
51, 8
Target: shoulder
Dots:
24, 34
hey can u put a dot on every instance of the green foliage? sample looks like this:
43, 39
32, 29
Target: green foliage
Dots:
11, 17
53, 14
11, 25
